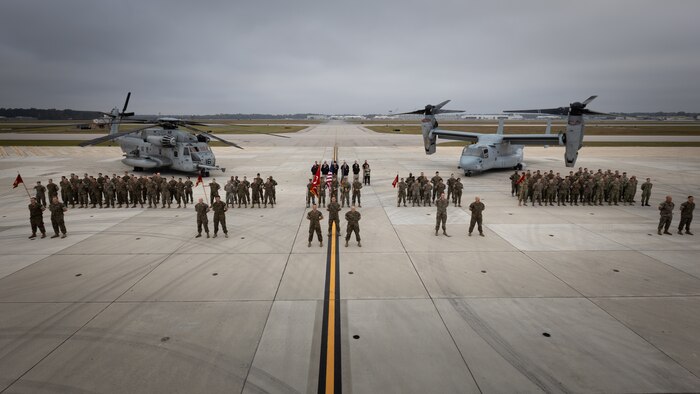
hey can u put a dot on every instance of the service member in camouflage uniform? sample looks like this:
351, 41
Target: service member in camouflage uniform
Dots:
57, 209
434, 181
441, 216
415, 193
666, 215
427, 193
314, 217
333, 209
255, 188
36, 218
356, 193
457, 196
66, 192
40, 194
402, 193
310, 196
345, 192
108, 189
52, 190
188, 190
219, 209
269, 188
202, 219
476, 208
687, 209
242, 194
214, 190
353, 218
646, 192
451, 187
180, 193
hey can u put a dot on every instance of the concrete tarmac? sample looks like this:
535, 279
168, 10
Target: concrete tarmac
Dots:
552, 299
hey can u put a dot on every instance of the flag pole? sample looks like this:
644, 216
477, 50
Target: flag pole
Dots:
25, 186
206, 198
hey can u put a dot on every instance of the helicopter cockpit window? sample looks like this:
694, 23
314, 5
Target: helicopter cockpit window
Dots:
485, 154
186, 151
175, 153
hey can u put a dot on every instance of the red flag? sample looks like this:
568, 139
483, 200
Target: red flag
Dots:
17, 181
522, 178
396, 180
199, 180
316, 182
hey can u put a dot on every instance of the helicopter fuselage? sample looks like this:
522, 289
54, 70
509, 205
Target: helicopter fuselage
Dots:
487, 154
167, 148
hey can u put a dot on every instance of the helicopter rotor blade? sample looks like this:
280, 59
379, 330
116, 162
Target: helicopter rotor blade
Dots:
110, 137
588, 100
126, 104
233, 144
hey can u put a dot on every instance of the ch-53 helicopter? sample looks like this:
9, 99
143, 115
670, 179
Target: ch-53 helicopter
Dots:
162, 144
490, 151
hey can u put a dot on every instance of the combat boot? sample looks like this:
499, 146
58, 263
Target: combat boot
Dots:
215, 235
309, 243
320, 244
226, 235
55, 235
32, 236
659, 232
436, 232
198, 235
667, 233
359, 244
64, 235
688, 232
445, 233
346, 243
481, 234
43, 235
207, 235
680, 232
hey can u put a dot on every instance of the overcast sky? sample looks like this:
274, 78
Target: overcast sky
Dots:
358, 56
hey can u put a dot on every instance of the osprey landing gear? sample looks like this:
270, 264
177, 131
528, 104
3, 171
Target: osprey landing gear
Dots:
204, 173
519, 166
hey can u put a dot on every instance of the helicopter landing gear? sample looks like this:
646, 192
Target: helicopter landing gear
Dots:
138, 169
467, 173
204, 173
519, 166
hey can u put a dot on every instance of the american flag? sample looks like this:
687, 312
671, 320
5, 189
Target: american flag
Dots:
329, 179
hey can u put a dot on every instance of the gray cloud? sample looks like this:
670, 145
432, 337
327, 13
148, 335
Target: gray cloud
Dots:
348, 57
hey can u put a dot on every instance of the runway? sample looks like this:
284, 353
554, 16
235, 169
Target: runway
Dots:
552, 299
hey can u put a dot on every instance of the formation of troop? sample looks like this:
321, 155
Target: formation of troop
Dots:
117, 191
420, 190
330, 186
244, 192
581, 187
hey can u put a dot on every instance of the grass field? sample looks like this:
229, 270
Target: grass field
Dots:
591, 129
602, 144
222, 127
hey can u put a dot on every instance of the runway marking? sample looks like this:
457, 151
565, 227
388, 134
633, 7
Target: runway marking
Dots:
329, 376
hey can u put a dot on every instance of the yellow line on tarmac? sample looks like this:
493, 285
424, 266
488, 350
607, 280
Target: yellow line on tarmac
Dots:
330, 354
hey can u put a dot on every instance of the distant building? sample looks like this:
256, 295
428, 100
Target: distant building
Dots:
316, 117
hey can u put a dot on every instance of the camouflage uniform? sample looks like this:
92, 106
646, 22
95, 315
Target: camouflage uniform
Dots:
202, 220
345, 192
666, 216
646, 192
356, 193
315, 218
687, 209
57, 222
219, 209
441, 216
333, 209
353, 219
402, 194
36, 219
457, 196
476, 209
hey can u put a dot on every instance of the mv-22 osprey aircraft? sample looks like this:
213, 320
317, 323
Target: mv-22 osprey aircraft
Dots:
162, 144
489, 151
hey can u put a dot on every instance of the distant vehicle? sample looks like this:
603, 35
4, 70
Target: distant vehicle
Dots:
490, 151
